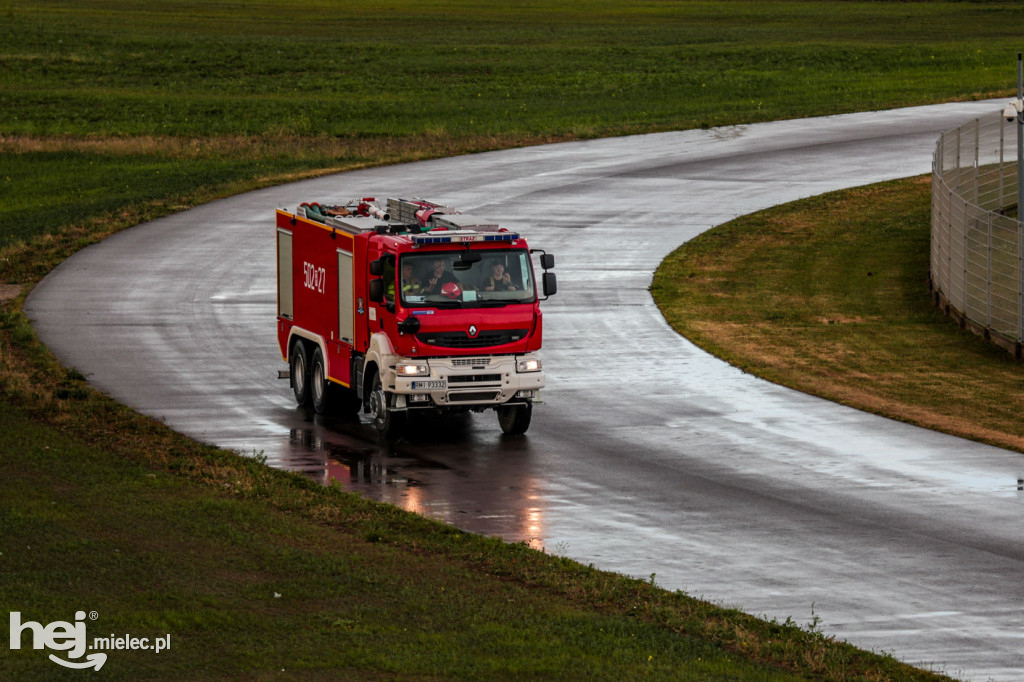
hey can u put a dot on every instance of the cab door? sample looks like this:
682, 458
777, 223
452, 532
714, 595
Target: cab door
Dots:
383, 296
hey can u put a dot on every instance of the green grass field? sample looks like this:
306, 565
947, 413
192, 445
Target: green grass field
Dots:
365, 68
112, 103
117, 111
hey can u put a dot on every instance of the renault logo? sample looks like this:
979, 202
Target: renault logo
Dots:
472, 331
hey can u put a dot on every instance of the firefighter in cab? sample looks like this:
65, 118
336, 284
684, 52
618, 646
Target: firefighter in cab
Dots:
499, 280
439, 276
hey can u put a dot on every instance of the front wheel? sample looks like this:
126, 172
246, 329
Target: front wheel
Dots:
389, 424
515, 419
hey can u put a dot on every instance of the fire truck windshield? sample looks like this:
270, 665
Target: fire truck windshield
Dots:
443, 279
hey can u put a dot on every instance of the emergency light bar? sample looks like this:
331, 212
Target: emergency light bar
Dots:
456, 237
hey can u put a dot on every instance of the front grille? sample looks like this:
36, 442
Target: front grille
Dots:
475, 397
463, 340
471, 362
474, 379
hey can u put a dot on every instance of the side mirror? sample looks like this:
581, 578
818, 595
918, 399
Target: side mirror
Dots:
375, 289
409, 325
547, 260
550, 284
377, 268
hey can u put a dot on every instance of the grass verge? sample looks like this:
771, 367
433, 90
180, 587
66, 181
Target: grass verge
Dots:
829, 295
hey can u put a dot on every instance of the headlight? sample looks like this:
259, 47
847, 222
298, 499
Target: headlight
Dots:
412, 369
528, 365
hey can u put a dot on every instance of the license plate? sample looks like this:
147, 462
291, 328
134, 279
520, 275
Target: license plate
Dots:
436, 384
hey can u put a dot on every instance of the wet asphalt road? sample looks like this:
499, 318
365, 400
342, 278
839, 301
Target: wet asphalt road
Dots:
649, 456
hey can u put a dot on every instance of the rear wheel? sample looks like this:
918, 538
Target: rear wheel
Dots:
389, 424
319, 387
515, 419
299, 362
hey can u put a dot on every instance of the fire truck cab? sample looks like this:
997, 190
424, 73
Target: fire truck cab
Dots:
417, 307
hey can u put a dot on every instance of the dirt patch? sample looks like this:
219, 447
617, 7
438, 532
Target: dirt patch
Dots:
840, 319
9, 291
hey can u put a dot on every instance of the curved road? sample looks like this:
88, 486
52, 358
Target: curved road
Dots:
649, 456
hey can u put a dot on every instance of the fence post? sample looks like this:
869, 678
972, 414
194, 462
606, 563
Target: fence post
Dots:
963, 264
1002, 163
977, 154
988, 280
958, 179
949, 250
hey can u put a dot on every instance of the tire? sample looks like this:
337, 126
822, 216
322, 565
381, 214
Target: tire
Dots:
299, 363
319, 386
389, 424
515, 419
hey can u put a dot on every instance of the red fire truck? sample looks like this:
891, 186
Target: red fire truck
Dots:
416, 307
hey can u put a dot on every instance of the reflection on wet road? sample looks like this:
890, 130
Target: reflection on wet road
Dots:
445, 469
649, 456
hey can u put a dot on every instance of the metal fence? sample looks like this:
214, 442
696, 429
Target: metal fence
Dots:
975, 248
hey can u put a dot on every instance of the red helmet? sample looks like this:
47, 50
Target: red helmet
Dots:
451, 290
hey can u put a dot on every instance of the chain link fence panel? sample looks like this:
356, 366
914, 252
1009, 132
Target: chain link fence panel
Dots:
976, 256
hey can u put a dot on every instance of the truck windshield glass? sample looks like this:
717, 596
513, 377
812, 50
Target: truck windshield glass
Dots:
441, 279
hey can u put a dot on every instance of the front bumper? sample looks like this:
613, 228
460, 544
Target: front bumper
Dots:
468, 381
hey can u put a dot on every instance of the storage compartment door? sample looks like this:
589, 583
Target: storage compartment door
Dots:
346, 323
285, 297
